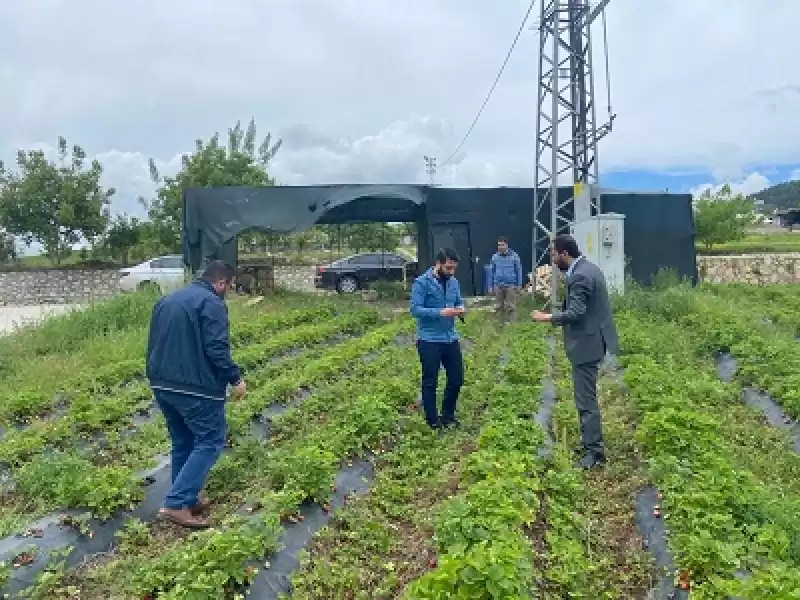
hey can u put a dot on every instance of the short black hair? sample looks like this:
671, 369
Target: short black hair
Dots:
502, 240
445, 254
566, 243
219, 270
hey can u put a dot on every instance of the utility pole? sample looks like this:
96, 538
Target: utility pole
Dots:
430, 169
566, 130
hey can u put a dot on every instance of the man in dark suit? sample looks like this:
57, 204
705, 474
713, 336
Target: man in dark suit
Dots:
589, 333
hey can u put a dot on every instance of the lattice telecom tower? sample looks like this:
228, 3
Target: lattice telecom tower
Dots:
566, 122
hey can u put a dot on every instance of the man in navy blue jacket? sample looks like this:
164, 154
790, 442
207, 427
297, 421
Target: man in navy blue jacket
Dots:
435, 303
506, 277
189, 366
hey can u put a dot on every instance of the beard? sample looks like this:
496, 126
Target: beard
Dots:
562, 266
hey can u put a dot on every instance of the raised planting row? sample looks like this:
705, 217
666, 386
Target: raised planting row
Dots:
301, 375
38, 399
273, 480
729, 483
109, 413
239, 453
777, 304
97, 482
488, 537
767, 356
99, 477
603, 499
251, 331
381, 541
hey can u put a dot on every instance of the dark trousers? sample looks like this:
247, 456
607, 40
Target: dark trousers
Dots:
584, 382
197, 428
432, 355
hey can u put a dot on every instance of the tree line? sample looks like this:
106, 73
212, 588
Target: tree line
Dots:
60, 202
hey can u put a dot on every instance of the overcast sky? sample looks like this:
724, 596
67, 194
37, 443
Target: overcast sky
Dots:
706, 91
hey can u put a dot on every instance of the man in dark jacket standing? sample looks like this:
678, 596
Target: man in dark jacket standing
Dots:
506, 278
435, 303
589, 333
189, 366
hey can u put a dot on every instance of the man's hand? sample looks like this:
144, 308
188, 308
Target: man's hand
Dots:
239, 390
541, 317
452, 312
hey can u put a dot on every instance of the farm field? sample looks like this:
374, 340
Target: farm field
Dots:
332, 486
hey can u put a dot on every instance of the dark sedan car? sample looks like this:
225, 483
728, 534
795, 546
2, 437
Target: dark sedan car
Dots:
356, 272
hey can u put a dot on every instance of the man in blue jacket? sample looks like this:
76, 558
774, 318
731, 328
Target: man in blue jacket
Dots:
506, 277
435, 303
189, 366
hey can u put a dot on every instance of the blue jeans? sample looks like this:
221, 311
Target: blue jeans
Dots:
197, 428
433, 355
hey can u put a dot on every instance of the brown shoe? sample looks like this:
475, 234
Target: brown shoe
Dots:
183, 517
203, 504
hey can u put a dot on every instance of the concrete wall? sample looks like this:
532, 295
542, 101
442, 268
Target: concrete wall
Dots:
750, 268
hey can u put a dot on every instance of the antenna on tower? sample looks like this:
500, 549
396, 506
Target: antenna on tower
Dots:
430, 169
566, 97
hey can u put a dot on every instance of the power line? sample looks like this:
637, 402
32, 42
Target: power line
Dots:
494, 85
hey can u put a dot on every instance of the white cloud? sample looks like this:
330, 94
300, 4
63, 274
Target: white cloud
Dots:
361, 91
752, 184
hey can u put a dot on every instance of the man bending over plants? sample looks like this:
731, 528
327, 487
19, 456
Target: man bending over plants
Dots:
189, 366
435, 303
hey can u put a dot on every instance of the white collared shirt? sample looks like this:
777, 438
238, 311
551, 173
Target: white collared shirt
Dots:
572, 266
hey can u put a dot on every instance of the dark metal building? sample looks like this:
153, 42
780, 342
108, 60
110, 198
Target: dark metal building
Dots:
659, 228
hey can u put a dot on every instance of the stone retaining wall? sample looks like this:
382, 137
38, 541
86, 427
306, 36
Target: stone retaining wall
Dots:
73, 286
56, 286
750, 268
83, 286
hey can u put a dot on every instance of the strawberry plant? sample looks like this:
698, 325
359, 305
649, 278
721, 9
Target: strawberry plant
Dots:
722, 516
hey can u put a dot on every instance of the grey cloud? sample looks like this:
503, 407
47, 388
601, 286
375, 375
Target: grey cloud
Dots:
360, 91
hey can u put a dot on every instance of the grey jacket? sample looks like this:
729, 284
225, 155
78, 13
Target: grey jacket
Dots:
589, 329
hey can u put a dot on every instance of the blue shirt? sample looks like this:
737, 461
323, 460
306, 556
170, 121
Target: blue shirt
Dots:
428, 297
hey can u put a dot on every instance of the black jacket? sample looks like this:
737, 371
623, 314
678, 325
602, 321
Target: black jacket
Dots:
188, 349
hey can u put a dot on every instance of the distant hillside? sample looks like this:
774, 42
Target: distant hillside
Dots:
783, 195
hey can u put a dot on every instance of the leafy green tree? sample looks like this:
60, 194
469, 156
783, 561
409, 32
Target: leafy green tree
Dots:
55, 203
123, 235
211, 165
372, 236
722, 217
